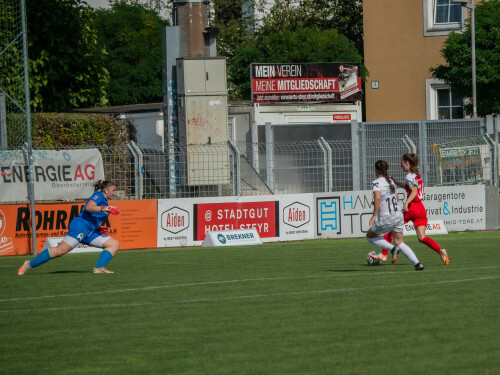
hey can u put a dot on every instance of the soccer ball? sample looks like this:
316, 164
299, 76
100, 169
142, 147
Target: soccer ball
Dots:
371, 261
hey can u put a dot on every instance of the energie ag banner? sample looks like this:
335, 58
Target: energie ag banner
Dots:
58, 175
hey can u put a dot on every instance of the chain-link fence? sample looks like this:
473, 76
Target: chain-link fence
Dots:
14, 92
458, 156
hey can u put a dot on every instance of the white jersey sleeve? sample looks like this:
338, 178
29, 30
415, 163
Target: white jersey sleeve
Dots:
411, 180
389, 201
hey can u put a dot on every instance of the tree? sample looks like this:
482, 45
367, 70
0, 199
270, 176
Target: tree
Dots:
457, 72
345, 16
66, 66
300, 45
131, 34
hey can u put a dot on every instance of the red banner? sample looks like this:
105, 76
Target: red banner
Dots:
263, 216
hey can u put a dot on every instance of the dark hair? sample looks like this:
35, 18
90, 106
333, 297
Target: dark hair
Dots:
381, 167
102, 184
413, 160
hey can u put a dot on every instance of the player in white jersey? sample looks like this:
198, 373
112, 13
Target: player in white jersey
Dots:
388, 217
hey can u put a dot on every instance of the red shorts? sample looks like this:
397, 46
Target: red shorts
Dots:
416, 213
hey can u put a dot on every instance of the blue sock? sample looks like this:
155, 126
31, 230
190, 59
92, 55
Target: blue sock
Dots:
103, 259
41, 258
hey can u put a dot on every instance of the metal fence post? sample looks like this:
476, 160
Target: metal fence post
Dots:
491, 143
356, 154
491, 128
138, 169
3, 124
255, 145
496, 128
327, 164
364, 176
422, 146
270, 156
236, 167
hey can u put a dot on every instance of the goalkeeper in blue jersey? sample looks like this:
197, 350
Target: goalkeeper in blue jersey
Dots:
87, 229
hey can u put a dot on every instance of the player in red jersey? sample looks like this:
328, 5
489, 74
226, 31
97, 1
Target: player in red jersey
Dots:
413, 207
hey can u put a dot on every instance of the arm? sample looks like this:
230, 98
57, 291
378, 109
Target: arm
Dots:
376, 206
397, 182
93, 207
413, 194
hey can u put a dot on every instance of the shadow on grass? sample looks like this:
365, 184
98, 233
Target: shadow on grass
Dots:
63, 271
356, 270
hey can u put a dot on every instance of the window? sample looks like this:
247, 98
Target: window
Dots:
442, 16
448, 105
445, 12
441, 103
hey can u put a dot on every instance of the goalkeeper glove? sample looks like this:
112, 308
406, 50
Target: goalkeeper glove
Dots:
112, 210
103, 230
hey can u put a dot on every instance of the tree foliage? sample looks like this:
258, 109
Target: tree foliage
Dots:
290, 31
132, 36
458, 69
345, 16
66, 67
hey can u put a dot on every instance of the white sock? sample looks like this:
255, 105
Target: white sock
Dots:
408, 252
380, 242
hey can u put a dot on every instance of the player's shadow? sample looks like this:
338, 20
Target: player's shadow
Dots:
74, 271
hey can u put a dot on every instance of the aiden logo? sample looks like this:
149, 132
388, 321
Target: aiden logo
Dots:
175, 220
296, 214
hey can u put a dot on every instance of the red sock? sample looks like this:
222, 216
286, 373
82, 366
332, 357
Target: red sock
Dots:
431, 243
388, 237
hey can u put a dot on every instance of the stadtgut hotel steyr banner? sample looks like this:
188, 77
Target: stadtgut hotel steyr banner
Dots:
305, 82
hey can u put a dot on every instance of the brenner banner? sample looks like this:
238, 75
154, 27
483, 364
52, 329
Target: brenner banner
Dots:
305, 82
57, 175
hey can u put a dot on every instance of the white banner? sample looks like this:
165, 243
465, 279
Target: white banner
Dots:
57, 175
346, 214
239, 237
292, 217
460, 207
433, 227
80, 248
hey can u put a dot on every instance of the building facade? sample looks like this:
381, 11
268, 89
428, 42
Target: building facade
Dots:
402, 41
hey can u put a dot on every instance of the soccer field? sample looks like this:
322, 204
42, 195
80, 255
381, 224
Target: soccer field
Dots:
312, 307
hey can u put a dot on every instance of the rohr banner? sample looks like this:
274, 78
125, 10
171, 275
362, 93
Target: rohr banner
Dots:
57, 175
305, 82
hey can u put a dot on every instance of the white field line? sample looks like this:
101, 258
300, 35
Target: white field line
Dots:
227, 282
146, 288
339, 290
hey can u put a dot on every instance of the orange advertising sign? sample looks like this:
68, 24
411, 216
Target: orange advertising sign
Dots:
134, 228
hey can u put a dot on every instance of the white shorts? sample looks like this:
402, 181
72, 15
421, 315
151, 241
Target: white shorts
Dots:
388, 224
96, 242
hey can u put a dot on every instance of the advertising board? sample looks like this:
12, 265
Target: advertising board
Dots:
305, 82
58, 175
134, 228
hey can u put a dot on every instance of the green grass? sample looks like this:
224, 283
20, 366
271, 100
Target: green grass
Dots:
310, 307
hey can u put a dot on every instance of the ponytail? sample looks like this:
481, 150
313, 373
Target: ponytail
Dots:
381, 167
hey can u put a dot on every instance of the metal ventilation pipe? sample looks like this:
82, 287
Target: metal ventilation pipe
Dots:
192, 17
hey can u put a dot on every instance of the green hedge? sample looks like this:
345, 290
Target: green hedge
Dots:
67, 129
